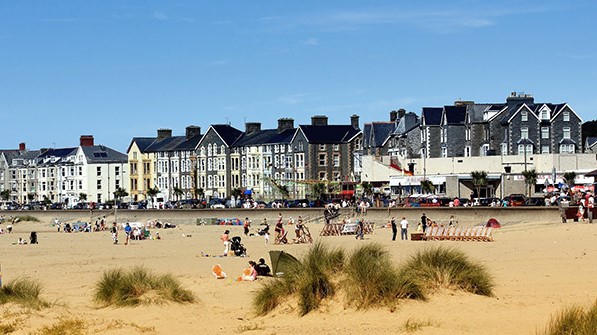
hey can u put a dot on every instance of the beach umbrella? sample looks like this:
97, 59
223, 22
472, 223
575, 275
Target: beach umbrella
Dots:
493, 223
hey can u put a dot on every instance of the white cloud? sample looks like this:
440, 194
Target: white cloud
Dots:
160, 16
293, 99
312, 41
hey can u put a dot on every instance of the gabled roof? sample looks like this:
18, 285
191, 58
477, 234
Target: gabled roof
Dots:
476, 111
142, 143
227, 133
515, 109
376, 133
567, 141
560, 108
367, 135
590, 141
455, 115
266, 136
407, 123
103, 154
431, 116
329, 133
10, 155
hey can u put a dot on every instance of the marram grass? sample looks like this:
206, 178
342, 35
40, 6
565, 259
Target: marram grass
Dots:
448, 268
369, 279
137, 286
574, 320
23, 291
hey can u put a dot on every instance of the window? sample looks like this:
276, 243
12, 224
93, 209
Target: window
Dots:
322, 147
566, 148
210, 182
134, 155
423, 153
545, 149
504, 148
544, 132
484, 149
322, 159
300, 160
467, 151
223, 149
529, 149
468, 134
99, 171
209, 149
524, 132
301, 145
209, 164
322, 175
336, 147
566, 132
566, 116
444, 152
117, 171
524, 116
99, 184
336, 160
423, 135
545, 114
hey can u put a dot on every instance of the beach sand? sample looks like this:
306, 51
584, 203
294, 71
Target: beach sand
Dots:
539, 269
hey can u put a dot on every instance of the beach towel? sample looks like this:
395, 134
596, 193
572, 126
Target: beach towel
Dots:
218, 272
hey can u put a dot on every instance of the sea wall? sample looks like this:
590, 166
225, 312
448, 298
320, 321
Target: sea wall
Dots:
464, 216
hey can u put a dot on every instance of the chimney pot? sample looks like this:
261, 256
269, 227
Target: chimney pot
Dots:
192, 131
251, 127
319, 120
22, 146
284, 124
86, 140
164, 133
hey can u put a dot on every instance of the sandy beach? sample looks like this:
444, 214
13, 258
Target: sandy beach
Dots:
539, 269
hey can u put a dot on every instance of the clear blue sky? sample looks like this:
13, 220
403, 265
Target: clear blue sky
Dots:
119, 69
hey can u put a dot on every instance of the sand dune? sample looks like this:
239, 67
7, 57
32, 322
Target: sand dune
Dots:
539, 268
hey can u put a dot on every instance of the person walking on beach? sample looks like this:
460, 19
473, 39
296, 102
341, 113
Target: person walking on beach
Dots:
424, 221
128, 230
590, 205
225, 238
114, 231
246, 226
394, 228
404, 229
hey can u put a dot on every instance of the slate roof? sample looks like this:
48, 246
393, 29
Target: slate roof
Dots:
476, 111
189, 144
366, 135
455, 115
166, 144
432, 116
59, 152
567, 141
407, 123
591, 141
142, 143
266, 136
376, 133
10, 155
228, 133
329, 133
103, 154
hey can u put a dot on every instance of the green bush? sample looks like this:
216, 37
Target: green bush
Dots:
138, 286
574, 320
22, 291
448, 268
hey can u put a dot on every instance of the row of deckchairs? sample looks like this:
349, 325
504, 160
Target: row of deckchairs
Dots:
337, 229
477, 233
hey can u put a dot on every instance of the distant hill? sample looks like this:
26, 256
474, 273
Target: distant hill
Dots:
589, 129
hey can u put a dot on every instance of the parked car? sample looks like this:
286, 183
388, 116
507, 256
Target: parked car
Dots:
535, 201
515, 199
216, 203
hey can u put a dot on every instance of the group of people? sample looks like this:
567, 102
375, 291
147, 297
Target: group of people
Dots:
254, 270
403, 228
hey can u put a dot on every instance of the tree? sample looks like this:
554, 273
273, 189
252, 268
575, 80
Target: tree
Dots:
31, 196
427, 186
367, 188
178, 192
283, 189
5, 195
236, 192
530, 179
151, 193
479, 180
120, 193
318, 190
569, 178
199, 192
82, 196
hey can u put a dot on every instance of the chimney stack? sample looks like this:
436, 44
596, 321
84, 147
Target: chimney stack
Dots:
354, 121
192, 131
22, 146
401, 113
319, 120
164, 133
285, 123
86, 140
393, 116
251, 127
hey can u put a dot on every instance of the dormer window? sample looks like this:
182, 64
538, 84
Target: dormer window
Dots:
566, 116
524, 116
545, 114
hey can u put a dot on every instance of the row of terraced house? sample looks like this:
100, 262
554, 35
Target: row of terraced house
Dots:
442, 144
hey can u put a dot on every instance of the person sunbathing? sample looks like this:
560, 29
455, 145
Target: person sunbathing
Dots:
249, 274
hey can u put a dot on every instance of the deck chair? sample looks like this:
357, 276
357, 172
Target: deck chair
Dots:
464, 233
281, 239
456, 234
480, 236
439, 234
488, 237
218, 272
449, 233
427, 235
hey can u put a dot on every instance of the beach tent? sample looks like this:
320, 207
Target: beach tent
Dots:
282, 262
493, 223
